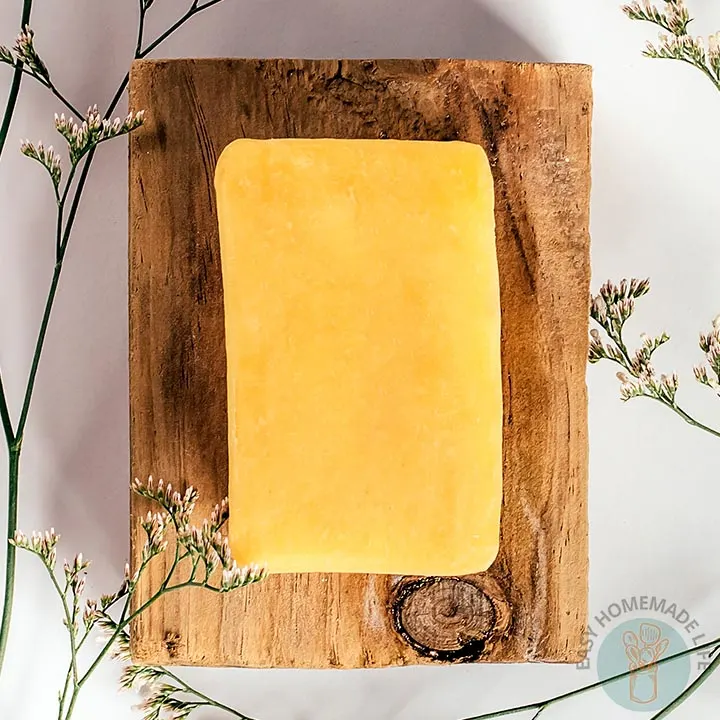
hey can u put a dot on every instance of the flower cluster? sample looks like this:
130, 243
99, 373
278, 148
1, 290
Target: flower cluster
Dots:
75, 573
675, 43
673, 47
141, 677
616, 303
24, 51
155, 526
83, 137
41, 544
47, 157
649, 385
675, 17
195, 548
204, 545
611, 309
162, 703
709, 374
178, 506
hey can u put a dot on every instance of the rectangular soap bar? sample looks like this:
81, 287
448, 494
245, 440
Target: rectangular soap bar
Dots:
362, 322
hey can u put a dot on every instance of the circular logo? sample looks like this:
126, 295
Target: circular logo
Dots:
631, 647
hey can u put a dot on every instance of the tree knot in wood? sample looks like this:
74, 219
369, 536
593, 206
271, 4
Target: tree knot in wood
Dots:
447, 619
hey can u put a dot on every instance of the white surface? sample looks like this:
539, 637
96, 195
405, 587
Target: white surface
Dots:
654, 481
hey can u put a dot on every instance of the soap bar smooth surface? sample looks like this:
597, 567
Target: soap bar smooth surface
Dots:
362, 323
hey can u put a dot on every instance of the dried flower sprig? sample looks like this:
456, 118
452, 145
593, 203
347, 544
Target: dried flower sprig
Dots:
41, 544
674, 18
81, 139
615, 304
47, 157
26, 61
675, 42
610, 309
169, 694
24, 55
24, 51
93, 130
709, 375
179, 507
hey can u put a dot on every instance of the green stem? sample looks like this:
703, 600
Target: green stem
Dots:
627, 365
694, 685
543, 704
59, 251
54, 90
15, 448
63, 696
121, 625
10, 558
15, 439
707, 72
72, 673
690, 420
207, 700
141, 28
15, 85
5, 416
73, 700
125, 621
194, 10
14, 459
40, 343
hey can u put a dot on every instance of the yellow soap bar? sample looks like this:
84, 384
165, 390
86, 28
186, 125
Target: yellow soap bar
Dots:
362, 322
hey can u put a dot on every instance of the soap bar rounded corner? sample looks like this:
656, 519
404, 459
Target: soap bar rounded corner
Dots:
225, 159
481, 561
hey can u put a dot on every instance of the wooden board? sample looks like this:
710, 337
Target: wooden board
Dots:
534, 122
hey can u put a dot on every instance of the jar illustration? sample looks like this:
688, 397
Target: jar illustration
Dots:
643, 650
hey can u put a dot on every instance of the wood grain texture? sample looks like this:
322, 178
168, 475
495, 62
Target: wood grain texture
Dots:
534, 123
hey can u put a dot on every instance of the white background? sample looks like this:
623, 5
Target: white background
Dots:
654, 481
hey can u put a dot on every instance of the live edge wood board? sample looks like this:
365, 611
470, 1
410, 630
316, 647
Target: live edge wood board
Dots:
534, 123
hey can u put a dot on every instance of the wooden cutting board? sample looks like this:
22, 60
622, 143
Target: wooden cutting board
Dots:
534, 123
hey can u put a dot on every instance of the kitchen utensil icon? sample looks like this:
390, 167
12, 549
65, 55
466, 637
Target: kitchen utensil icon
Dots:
643, 650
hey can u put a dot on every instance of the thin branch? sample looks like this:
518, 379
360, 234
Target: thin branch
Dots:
54, 90
70, 625
694, 685
125, 621
15, 438
61, 212
38, 350
15, 85
11, 550
5, 416
141, 27
194, 9
207, 700
599, 683
689, 419
705, 69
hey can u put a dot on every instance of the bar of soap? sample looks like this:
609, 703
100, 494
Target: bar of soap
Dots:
362, 322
